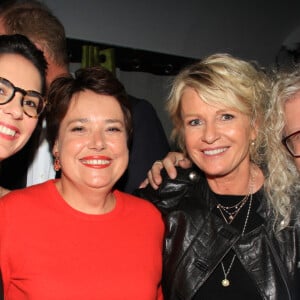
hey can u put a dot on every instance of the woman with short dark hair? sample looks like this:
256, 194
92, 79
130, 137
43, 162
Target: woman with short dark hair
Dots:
78, 237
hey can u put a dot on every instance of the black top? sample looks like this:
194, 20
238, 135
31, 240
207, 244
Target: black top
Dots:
240, 282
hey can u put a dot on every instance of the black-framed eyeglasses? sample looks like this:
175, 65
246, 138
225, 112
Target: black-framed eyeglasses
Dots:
292, 143
32, 102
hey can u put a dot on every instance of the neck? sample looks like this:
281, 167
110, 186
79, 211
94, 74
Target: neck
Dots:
94, 201
3, 191
239, 182
55, 71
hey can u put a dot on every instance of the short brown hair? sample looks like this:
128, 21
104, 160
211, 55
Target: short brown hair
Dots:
96, 79
39, 24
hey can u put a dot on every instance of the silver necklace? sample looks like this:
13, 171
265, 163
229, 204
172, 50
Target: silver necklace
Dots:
225, 282
231, 216
230, 212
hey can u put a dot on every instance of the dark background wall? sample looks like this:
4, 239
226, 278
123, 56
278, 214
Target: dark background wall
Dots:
250, 29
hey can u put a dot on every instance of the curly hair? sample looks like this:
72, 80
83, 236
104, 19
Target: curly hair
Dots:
282, 181
223, 79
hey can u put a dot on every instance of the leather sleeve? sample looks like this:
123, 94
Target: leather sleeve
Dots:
171, 191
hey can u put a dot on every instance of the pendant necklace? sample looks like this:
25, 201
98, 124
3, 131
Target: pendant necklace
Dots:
229, 213
225, 282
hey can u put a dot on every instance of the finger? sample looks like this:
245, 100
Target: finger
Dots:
158, 162
169, 165
151, 180
173, 157
144, 184
156, 172
184, 163
171, 161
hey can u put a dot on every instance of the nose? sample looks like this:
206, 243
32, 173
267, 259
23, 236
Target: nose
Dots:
210, 133
14, 107
97, 141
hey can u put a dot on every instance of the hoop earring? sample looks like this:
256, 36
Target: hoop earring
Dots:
57, 165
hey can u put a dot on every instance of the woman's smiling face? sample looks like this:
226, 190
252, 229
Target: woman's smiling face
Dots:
15, 126
92, 141
217, 138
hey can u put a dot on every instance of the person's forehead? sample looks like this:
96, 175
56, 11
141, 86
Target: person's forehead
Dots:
292, 112
2, 28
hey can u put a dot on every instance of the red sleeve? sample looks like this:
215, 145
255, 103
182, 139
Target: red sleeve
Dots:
160, 295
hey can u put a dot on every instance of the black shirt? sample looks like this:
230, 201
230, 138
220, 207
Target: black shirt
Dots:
241, 285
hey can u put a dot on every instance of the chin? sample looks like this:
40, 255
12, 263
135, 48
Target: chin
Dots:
214, 172
98, 183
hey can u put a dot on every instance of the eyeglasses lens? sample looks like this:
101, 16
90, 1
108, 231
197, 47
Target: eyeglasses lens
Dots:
32, 101
32, 104
293, 143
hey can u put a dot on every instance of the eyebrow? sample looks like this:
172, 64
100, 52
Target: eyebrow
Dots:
86, 120
219, 111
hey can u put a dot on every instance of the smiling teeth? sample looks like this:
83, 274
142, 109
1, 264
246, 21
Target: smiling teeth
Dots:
96, 162
7, 131
215, 151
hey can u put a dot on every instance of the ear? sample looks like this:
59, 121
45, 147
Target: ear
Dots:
55, 148
43, 47
39, 45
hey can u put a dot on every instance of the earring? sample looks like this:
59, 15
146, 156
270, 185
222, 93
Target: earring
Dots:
252, 143
57, 165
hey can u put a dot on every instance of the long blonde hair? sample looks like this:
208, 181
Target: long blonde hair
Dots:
282, 181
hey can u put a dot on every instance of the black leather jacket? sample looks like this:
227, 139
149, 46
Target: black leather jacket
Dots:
197, 240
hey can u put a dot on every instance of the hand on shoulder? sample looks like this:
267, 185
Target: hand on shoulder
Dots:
172, 160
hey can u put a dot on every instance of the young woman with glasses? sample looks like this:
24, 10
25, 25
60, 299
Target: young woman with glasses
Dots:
22, 88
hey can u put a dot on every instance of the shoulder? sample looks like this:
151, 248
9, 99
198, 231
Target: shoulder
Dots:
295, 203
172, 191
18, 197
20, 207
136, 203
139, 211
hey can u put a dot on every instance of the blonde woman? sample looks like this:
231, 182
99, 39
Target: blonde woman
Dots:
225, 239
